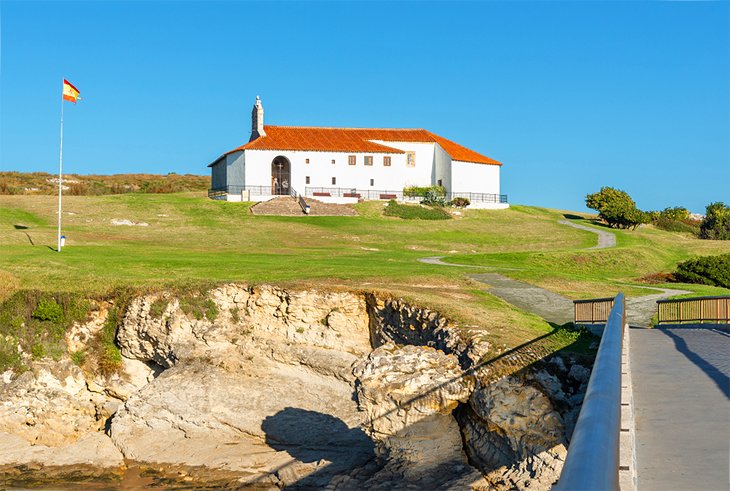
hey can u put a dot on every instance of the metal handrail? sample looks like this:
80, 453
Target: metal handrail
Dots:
299, 199
593, 454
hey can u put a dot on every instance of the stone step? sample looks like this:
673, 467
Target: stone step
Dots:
288, 206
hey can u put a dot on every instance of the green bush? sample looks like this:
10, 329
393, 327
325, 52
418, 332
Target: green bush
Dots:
420, 191
705, 270
413, 212
687, 226
48, 310
716, 224
37, 323
460, 202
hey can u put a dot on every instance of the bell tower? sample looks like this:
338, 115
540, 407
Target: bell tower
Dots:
257, 120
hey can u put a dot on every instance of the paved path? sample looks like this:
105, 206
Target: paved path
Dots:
552, 306
640, 310
549, 305
605, 238
682, 408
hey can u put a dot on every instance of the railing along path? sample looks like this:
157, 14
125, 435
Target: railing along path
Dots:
698, 309
593, 455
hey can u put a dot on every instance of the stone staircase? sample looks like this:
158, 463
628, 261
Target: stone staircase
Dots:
288, 206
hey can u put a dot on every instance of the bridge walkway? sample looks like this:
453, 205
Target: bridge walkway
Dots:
681, 390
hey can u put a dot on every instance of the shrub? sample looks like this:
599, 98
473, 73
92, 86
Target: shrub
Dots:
433, 198
460, 202
413, 212
676, 213
420, 191
716, 224
48, 310
705, 270
687, 226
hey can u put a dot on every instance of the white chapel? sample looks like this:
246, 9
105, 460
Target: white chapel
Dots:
344, 165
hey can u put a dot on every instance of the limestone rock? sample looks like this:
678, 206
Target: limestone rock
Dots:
92, 456
256, 420
579, 373
49, 405
81, 333
514, 434
408, 395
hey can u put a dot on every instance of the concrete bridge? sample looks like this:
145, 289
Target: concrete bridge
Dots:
681, 389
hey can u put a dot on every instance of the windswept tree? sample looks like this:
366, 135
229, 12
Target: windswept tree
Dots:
616, 208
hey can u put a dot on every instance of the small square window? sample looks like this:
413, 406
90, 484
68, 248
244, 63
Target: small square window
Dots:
368, 160
439, 182
306, 161
410, 159
372, 182
333, 161
307, 179
334, 181
351, 160
386, 161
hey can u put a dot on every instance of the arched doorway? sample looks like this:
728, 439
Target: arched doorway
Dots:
280, 176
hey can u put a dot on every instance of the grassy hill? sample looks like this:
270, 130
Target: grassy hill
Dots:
191, 240
84, 185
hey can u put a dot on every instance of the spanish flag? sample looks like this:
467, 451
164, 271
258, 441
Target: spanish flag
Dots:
70, 93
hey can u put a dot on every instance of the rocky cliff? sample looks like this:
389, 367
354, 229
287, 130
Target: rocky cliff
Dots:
271, 388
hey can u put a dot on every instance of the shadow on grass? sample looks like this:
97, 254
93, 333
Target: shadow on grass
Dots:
24, 228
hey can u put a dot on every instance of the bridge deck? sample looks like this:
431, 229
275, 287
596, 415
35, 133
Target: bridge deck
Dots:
682, 408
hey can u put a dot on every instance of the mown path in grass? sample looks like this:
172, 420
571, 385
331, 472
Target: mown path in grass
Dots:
552, 306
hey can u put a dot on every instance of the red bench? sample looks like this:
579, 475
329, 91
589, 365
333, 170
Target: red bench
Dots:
388, 196
321, 194
351, 195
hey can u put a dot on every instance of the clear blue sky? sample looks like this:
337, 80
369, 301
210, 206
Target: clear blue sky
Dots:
570, 96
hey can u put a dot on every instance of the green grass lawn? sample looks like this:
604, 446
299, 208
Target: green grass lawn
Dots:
190, 239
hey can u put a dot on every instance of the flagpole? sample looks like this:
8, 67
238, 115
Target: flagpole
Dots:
60, 179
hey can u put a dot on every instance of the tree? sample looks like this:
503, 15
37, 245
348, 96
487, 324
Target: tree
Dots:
616, 208
716, 224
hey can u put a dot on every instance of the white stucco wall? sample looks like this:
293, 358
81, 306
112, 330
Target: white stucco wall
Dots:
321, 170
474, 178
235, 167
442, 167
423, 172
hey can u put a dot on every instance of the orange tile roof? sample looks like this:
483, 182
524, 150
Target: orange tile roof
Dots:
355, 140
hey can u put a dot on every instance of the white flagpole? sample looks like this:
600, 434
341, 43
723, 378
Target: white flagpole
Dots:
60, 179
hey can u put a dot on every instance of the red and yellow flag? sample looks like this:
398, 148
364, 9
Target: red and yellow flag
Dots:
70, 93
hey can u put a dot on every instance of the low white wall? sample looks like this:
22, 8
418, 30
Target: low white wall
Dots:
488, 206
332, 199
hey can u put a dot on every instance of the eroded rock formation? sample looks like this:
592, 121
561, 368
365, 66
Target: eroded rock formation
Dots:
277, 388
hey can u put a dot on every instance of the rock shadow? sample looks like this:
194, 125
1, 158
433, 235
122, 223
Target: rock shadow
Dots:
325, 442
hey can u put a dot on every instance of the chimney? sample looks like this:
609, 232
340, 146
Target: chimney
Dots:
257, 120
